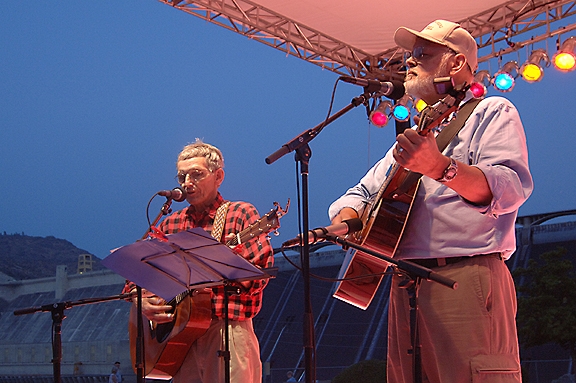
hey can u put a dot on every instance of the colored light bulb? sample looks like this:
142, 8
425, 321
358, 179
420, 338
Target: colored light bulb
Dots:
378, 118
504, 82
532, 72
478, 89
565, 61
401, 112
420, 105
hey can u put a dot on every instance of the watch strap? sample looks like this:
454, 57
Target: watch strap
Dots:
444, 137
450, 172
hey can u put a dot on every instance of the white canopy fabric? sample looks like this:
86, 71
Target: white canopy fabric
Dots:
369, 25
355, 37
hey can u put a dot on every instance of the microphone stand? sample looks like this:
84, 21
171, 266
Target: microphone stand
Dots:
416, 273
57, 311
302, 155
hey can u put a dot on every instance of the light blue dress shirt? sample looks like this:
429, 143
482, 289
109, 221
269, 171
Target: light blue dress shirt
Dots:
443, 224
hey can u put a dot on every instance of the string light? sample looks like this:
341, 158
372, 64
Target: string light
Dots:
504, 80
420, 105
480, 84
401, 109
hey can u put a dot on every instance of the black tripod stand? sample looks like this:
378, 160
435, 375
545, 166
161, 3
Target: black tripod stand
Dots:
57, 311
303, 152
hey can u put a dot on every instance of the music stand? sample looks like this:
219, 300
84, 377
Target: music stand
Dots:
190, 259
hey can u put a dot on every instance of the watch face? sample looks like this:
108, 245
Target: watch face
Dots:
450, 171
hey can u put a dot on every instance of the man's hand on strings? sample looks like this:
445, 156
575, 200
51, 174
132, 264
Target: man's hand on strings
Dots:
420, 154
155, 309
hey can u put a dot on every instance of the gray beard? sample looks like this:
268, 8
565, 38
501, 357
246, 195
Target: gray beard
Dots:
421, 87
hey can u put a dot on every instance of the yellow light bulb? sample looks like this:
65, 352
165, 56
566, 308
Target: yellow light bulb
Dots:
532, 72
420, 105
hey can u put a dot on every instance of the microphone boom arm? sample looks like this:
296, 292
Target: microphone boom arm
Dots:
410, 268
308, 135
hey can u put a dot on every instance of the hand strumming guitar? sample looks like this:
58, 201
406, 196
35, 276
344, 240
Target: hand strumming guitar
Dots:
155, 308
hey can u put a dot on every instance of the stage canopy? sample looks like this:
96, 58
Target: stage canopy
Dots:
354, 37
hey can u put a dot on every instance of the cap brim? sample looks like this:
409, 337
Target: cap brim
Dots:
406, 38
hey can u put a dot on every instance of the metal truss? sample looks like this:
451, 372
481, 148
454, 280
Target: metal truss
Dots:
504, 29
271, 28
497, 31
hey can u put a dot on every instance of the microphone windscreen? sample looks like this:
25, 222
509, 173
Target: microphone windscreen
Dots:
398, 90
182, 195
354, 225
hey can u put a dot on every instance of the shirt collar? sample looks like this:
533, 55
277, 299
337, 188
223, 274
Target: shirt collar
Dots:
210, 211
469, 96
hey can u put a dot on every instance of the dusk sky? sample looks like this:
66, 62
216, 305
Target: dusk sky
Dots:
99, 97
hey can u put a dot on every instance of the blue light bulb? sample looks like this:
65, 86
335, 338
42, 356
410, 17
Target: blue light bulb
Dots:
503, 82
401, 112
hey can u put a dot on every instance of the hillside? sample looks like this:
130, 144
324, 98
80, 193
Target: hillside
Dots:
26, 257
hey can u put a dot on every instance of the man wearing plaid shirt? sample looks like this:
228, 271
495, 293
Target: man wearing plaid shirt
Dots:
200, 173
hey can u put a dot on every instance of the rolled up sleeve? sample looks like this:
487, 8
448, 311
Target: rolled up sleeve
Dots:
499, 150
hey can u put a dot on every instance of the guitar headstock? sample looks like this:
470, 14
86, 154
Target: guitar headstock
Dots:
267, 223
278, 209
434, 115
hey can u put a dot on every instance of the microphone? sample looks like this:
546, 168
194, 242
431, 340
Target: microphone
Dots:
391, 89
178, 194
318, 235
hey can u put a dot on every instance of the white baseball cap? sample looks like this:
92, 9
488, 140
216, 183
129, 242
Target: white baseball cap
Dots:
445, 33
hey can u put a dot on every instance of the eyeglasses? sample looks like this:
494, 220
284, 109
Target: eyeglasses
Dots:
195, 175
418, 53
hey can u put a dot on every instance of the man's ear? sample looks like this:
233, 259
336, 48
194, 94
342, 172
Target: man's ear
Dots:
219, 176
459, 64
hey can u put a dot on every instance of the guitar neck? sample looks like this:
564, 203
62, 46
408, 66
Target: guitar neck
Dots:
431, 117
179, 298
264, 225
241, 237
233, 242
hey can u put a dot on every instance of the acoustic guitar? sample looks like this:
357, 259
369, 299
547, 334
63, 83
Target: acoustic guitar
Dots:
385, 217
167, 344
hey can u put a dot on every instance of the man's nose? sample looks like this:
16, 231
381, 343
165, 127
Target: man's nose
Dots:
187, 180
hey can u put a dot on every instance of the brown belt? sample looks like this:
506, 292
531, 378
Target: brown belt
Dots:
431, 263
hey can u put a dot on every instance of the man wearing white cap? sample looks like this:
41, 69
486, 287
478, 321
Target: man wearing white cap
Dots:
461, 224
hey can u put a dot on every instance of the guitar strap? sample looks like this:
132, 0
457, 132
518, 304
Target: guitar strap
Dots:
219, 220
443, 139
454, 126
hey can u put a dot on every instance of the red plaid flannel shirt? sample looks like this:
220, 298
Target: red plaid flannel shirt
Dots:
258, 251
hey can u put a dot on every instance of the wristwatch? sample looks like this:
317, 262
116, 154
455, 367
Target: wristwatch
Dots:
450, 172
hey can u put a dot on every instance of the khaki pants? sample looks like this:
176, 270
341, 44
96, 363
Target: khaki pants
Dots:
203, 365
467, 334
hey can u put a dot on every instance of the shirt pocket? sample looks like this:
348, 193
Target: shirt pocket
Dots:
500, 368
